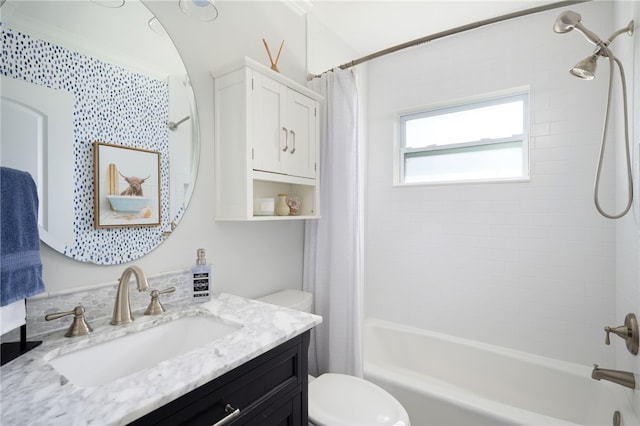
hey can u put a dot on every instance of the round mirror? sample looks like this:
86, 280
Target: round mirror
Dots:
97, 106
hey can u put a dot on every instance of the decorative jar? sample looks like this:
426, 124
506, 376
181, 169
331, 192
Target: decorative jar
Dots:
282, 209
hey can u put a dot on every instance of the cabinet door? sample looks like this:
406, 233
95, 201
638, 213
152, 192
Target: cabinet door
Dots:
268, 117
300, 157
284, 129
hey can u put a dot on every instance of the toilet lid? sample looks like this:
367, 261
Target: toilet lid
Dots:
339, 399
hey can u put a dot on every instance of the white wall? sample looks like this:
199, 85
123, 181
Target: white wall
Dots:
249, 259
627, 49
530, 266
326, 49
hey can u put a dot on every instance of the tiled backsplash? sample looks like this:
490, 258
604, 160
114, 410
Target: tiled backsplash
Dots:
98, 302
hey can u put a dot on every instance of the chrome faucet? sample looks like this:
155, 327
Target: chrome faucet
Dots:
122, 308
623, 378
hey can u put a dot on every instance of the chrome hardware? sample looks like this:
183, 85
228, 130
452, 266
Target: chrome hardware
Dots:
286, 139
234, 412
173, 228
174, 126
79, 326
617, 418
155, 307
293, 138
623, 378
122, 307
628, 331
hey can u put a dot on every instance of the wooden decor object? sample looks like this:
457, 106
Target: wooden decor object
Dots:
274, 65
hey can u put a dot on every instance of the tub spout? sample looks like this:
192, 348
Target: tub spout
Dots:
623, 378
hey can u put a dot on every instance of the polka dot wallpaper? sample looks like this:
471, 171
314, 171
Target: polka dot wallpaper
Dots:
113, 105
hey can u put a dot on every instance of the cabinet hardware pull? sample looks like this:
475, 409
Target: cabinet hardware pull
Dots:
234, 412
286, 139
293, 139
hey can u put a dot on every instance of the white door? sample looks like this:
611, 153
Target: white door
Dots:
37, 137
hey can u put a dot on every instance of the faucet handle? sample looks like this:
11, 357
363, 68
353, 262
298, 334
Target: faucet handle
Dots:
155, 307
79, 326
628, 331
621, 331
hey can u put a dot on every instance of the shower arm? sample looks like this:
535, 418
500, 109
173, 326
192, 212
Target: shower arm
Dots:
628, 29
602, 47
174, 126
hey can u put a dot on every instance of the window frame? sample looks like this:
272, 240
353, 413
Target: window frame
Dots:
495, 98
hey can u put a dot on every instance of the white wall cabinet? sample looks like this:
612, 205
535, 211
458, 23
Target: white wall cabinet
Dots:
267, 132
285, 128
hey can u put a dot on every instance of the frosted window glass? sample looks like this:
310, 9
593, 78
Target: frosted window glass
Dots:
483, 140
490, 122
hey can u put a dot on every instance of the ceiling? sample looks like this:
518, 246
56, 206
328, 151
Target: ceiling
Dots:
368, 26
121, 36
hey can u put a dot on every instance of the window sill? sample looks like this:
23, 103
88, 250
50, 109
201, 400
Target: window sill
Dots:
462, 182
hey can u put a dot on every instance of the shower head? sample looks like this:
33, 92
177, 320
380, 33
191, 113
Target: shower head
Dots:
586, 68
566, 21
569, 20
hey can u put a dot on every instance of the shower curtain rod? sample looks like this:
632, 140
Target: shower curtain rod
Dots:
453, 31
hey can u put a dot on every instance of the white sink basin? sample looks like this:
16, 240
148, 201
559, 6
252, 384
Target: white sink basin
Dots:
105, 362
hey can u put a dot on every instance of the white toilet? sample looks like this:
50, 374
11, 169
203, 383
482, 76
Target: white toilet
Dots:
340, 399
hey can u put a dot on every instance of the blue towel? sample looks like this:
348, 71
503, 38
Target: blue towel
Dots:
20, 266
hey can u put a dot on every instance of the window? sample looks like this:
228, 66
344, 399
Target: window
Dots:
476, 141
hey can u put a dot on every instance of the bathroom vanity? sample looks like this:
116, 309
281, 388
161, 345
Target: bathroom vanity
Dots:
270, 389
254, 374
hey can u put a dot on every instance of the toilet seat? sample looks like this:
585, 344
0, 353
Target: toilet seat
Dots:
339, 399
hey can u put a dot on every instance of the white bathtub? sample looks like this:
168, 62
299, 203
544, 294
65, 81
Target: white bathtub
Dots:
443, 380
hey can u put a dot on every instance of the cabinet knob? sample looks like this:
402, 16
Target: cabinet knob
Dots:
286, 139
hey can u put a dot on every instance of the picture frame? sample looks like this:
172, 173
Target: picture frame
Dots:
126, 186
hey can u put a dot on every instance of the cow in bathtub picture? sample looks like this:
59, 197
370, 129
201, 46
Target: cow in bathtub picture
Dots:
130, 198
135, 185
131, 202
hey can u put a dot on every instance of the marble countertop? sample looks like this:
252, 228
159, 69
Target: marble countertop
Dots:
34, 393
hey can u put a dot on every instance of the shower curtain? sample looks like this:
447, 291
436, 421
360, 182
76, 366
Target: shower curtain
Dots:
333, 244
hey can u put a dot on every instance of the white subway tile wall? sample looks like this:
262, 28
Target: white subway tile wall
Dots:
529, 266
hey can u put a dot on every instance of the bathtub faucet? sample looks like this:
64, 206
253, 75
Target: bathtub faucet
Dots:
623, 378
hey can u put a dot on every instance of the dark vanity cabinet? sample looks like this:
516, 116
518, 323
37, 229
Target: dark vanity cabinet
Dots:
268, 390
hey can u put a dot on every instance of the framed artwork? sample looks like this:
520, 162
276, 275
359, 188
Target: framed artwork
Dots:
126, 186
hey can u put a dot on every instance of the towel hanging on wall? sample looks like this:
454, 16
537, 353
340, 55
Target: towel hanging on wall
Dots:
21, 266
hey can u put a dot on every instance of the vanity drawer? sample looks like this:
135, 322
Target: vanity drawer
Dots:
270, 389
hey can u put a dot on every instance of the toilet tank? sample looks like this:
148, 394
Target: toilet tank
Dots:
292, 299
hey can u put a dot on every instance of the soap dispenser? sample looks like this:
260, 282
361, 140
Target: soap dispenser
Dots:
201, 275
